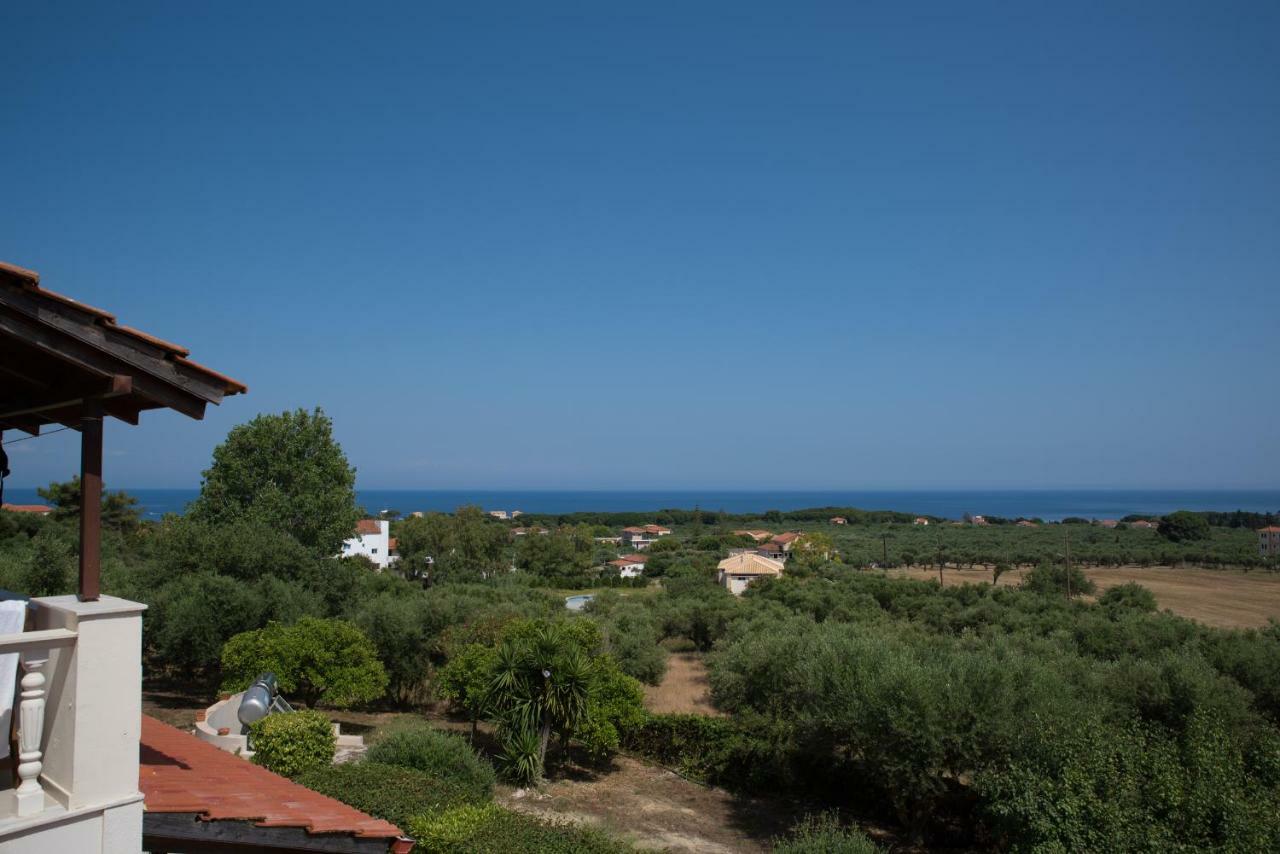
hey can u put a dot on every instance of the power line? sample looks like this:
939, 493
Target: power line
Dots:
37, 436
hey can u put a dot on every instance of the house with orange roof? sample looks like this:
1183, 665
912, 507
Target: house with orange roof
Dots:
1269, 541
757, 535
920, 520
639, 537
737, 572
372, 540
839, 520
629, 566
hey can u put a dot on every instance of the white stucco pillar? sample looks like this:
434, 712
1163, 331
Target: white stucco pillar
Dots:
94, 713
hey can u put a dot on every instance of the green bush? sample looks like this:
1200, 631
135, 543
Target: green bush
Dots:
387, 791
1051, 578
323, 662
490, 829
1132, 596
440, 754
293, 743
823, 834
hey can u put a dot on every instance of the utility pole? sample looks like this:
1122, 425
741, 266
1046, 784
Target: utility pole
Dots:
884, 541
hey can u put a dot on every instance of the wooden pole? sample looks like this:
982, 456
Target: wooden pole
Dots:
1068, 564
90, 500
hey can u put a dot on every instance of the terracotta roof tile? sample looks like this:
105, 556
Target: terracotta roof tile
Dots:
27, 508
368, 526
179, 773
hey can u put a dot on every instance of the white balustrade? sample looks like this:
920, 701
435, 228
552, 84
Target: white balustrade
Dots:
30, 794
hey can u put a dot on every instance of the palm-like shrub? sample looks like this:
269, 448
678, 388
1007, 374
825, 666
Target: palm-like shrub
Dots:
540, 684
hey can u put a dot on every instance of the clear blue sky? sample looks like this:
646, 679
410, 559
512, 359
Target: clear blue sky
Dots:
674, 244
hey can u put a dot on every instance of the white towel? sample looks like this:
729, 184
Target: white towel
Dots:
13, 614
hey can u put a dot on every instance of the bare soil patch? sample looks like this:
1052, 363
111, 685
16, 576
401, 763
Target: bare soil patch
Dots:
1225, 598
655, 809
684, 689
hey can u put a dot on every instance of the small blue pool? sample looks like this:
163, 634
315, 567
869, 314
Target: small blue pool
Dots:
577, 603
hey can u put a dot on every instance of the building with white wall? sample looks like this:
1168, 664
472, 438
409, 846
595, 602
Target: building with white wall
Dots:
373, 540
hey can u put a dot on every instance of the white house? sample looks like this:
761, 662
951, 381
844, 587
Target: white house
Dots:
372, 540
629, 566
736, 572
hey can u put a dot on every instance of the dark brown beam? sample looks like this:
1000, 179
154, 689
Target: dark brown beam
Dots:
115, 386
90, 501
88, 356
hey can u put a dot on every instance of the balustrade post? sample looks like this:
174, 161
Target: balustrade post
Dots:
29, 793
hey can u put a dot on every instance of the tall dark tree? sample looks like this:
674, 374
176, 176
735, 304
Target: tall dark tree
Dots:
286, 471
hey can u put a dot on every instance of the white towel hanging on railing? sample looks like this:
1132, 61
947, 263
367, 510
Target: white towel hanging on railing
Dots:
13, 615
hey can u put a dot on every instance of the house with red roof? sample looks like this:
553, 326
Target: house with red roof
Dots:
1269, 541
372, 540
629, 566
639, 537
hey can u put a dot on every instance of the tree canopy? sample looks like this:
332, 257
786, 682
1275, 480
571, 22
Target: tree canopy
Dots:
286, 471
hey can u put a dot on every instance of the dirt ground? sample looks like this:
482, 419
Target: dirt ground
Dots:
655, 809
1226, 598
684, 688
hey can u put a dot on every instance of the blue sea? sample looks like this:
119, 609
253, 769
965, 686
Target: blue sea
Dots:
1049, 504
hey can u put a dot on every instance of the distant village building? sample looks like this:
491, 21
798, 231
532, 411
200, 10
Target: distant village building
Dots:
499, 514
920, 520
1269, 541
629, 566
1108, 523
787, 540
773, 550
736, 572
1144, 524
1026, 523
38, 509
520, 532
640, 537
980, 520
839, 520
373, 540
758, 536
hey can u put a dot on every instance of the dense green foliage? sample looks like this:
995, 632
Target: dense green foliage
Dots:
284, 471
293, 743
388, 791
990, 716
486, 828
823, 834
324, 662
440, 754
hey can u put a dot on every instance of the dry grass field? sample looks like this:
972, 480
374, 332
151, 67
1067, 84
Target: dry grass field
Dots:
684, 688
1225, 598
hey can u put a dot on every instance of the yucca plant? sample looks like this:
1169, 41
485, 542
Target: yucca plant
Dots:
521, 757
540, 685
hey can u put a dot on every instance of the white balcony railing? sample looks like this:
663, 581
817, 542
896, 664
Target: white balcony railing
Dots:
78, 721
33, 650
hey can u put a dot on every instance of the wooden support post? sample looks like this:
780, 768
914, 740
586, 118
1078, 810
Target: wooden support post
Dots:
90, 500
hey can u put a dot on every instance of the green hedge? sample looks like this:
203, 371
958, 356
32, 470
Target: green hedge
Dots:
293, 743
444, 756
386, 791
490, 829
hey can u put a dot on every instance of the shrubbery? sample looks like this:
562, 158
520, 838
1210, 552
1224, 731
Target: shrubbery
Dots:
328, 662
823, 834
293, 743
388, 791
442, 755
477, 828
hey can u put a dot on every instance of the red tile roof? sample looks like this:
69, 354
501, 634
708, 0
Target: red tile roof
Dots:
788, 537
26, 508
182, 774
368, 526
1270, 529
